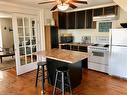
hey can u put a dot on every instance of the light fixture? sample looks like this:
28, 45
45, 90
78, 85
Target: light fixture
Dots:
63, 6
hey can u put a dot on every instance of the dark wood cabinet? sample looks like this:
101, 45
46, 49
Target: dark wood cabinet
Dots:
83, 48
77, 48
89, 18
65, 47
54, 37
71, 20
84, 61
74, 47
98, 12
80, 19
62, 20
51, 37
110, 10
106, 11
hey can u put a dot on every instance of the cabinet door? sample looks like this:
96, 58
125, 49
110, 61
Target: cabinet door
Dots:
71, 20
82, 48
54, 37
98, 12
80, 19
109, 10
89, 19
84, 61
62, 20
65, 47
75, 48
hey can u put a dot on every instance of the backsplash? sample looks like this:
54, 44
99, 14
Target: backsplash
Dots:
79, 33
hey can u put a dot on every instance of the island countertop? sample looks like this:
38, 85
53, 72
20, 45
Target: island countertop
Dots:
63, 55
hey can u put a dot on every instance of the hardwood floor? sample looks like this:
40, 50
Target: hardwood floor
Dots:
93, 83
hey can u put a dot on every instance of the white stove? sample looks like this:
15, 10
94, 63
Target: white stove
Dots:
100, 47
98, 59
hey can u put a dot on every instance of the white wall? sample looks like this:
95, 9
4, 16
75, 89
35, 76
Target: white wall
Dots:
122, 3
122, 18
1, 44
7, 36
15, 8
47, 16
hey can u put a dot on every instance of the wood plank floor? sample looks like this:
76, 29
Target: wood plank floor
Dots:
93, 83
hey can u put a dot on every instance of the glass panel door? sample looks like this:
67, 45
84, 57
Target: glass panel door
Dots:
25, 43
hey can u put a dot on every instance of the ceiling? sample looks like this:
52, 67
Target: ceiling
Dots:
34, 3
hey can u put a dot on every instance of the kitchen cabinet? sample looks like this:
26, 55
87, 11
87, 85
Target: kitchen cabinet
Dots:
106, 11
110, 10
71, 20
80, 19
84, 61
74, 20
77, 48
74, 47
83, 48
65, 47
51, 37
60, 19
98, 12
89, 19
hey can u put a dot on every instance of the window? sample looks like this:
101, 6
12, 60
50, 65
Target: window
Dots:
105, 26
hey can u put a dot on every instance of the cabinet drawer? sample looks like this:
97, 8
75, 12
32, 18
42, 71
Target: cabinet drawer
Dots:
82, 48
65, 47
98, 67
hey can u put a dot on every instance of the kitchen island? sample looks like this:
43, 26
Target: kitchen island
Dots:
60, 57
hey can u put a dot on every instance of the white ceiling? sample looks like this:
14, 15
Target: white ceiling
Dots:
34, 3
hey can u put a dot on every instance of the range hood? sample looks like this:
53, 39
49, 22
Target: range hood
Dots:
105, 18
124, 25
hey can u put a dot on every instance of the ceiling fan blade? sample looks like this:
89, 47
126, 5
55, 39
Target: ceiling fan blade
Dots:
54, 8
46, 2
72, 5
83, 2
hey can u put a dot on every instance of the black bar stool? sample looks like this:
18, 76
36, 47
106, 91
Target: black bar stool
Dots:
40, 66
62, 72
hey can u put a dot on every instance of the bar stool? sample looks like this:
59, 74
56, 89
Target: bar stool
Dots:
40, 66
62, 72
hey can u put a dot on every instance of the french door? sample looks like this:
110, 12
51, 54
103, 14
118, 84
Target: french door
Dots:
25, 38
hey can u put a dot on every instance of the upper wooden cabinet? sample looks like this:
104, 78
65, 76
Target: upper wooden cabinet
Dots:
71, 20
110, 10
89, 19
80, 19
106, 11
60, 19
98, 12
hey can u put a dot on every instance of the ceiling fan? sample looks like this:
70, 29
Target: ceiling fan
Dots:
68, 3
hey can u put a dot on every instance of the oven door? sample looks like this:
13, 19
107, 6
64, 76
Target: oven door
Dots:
97, 56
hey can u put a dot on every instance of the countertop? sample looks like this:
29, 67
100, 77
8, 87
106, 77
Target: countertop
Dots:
77, 44
63, 55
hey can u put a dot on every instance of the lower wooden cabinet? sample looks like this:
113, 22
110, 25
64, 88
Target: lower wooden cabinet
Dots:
77, 48
74, 47
65, 47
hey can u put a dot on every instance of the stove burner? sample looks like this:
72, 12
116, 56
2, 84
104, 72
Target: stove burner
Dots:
95, 44
106, 45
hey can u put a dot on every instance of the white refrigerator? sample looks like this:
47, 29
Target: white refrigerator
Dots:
118, 53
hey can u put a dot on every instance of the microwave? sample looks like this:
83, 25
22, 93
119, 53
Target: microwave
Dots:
66, 39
